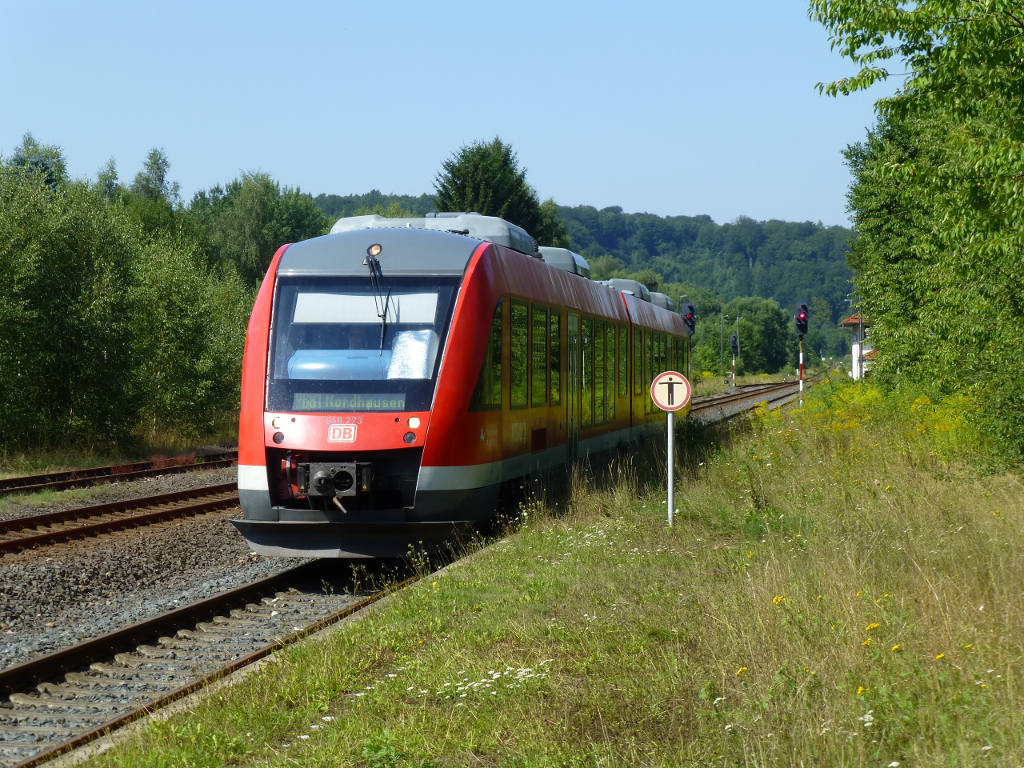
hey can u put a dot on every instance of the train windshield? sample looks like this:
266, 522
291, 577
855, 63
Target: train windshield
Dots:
338, 344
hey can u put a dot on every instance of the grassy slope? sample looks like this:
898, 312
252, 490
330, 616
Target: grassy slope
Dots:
834, 592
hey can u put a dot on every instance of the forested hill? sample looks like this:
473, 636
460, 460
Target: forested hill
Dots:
787, 261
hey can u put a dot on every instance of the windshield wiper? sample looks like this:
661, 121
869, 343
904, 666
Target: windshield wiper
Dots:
381, 301
384, 321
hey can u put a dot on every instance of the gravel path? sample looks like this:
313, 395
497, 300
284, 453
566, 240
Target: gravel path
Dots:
54, 597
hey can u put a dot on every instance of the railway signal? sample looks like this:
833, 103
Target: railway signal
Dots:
801, 321
690, 317
801, 331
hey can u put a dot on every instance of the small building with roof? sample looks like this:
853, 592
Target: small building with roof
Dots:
862, 353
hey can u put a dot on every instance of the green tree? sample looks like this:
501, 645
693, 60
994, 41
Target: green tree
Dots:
66, 338
486, 178
938, 196
44, 160
153, 199
190, 322
107, 183
245, 223
764, 333
552, 229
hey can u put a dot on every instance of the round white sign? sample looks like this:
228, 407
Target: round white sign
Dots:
670, 391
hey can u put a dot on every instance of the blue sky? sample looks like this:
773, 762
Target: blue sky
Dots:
675, 108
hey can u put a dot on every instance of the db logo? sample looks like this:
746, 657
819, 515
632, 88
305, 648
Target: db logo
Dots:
341, 433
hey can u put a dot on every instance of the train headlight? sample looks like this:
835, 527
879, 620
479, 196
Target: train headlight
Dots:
410, 437
414, 422
374, 250
279, 437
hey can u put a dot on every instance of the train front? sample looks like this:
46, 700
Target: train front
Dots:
341, 363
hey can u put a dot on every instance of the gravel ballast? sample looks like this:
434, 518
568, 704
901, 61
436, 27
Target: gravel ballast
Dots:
54, 597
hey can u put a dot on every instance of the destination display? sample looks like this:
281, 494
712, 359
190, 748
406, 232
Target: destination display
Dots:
330, 401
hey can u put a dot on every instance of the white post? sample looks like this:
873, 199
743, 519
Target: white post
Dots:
671, 466
801, 371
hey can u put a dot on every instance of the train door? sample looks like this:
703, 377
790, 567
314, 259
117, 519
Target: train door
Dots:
572, 385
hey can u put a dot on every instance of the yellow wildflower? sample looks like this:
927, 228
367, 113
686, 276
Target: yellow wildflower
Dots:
860, 689
872, 625
939, 656
896, 647
741, 670
778, 599
866, 642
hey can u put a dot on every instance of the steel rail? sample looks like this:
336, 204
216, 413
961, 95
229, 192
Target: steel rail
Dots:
110, 474
48, 667
225, 495
778, 390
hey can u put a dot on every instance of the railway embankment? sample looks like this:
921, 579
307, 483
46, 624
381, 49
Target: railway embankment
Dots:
839, 588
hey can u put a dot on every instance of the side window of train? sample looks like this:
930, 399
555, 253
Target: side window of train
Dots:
519, 339
554, 332
539, 355
638, 361
487, 394
623, 361
649, 342
609, 371
587, 396
599, 368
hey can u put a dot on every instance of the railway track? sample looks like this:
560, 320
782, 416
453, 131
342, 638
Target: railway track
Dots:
79, 478
67, 699
37, 530
727, 404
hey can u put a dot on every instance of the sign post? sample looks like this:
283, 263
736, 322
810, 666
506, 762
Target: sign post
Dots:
670, 391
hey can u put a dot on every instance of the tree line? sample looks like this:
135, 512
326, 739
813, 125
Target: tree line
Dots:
125, 311
938, 199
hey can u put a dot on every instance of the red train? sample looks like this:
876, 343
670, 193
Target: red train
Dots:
402, 376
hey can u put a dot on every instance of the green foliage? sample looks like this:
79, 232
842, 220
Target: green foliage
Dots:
938, 197
190, 328
108, 331
764, 334
337, 206
46, 161
486, 178
790, 262
64, 322
152, 199
245, 223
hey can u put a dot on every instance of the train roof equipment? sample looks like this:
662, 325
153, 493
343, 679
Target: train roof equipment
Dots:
398, 251
663, 301
487, 228
563, 258
632, 287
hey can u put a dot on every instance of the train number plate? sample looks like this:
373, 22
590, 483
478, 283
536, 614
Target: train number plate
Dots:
341, 433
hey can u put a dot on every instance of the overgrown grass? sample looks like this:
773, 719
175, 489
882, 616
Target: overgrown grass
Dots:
53, 459
837, 590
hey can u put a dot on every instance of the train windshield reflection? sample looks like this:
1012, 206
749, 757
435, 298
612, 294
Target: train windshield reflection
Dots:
330, 346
